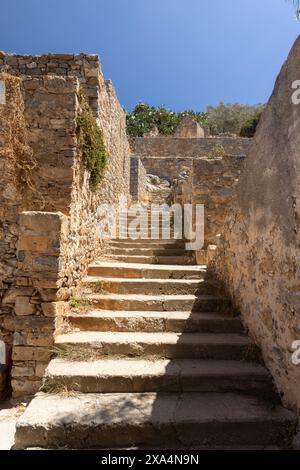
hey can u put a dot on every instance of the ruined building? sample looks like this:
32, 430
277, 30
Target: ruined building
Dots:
141, 342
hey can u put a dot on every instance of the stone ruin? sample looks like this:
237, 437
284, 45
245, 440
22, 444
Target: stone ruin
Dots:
48, 245
189, 129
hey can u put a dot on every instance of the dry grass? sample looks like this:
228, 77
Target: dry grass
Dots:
58, 388
16, 150
75, 353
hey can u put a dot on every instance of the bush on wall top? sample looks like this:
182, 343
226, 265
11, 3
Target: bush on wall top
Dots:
145, 118
225, 118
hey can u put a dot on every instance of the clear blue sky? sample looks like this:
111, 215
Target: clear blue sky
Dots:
180, 53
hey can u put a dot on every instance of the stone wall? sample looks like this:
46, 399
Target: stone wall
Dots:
166, 167
138, 180
258, 257
42, 245
51, 109
194, 175
46, 268
179, 147
102, 99
86, 67
213, 184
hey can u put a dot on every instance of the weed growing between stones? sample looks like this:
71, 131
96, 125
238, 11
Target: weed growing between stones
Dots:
58, 388
79, 305
91, 143
98, 287
218, 151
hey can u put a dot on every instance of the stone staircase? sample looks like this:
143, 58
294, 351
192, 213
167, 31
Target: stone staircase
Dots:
153, 356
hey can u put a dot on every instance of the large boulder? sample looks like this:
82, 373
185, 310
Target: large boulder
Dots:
258, 259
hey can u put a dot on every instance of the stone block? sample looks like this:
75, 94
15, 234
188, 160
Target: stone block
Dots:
42, 222
23, 307
23, 387
31, 353
39, 338
23, 369
201, 257
189, 129
40, 369
54, 309
32, 243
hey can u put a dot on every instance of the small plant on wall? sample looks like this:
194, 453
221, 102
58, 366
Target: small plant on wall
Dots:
217, 151
91, 142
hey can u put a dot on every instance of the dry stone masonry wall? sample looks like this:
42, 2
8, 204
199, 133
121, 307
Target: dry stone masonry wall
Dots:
185, 148
45, 253
194, 176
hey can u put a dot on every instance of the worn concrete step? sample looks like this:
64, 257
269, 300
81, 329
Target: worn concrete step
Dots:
178, 260
147, 243
134, 270
196, 303
131, 375
137, 251
105, 320
149, 286
152, 419
167, 345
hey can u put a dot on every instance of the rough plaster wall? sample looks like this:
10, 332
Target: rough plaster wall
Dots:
258, 259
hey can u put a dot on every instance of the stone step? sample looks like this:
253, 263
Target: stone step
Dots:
130, 375
134, 270
90, 344
105, 320
191, 419
195, 303
146, 243
137, 251
149, 286
178, 260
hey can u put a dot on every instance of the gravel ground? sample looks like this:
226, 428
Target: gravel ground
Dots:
10, 411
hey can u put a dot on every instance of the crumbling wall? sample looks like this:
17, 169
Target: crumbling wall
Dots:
258, 258
166, 167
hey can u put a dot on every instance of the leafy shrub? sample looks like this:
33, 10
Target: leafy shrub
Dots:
224, 118
249, 128
217, 151
91, 143
145, 118
231, 118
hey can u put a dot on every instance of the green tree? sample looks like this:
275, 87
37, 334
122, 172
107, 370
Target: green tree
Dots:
231, 118
145, 118
297, 8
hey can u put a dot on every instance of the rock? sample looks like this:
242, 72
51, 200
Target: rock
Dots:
23, 306
153, 133
189, 129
